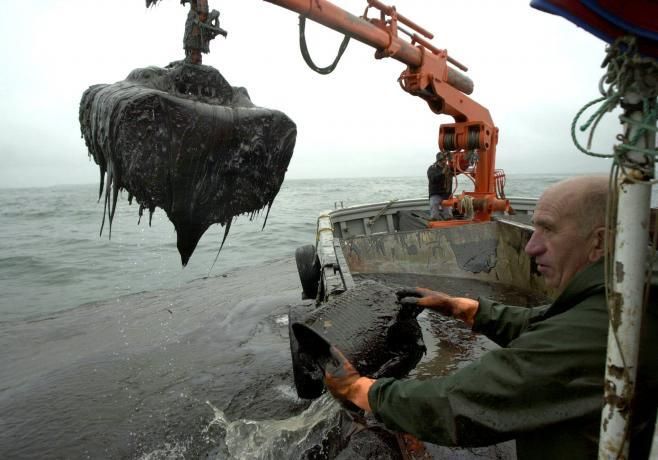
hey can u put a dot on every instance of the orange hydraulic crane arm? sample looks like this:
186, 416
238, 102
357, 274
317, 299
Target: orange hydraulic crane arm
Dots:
428, 63
428, 76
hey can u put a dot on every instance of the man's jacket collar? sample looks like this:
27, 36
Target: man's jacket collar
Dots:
588, 281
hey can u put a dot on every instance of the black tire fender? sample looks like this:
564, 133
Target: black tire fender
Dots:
308, 267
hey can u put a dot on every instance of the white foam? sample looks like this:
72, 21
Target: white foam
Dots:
264, 439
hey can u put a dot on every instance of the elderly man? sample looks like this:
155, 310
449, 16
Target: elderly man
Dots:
544, 386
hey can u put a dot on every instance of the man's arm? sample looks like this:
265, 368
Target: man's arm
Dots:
551, 374
500, 323
461, 308
503, 323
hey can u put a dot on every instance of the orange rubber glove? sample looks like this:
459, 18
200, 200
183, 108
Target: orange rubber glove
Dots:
344, 382
461, 308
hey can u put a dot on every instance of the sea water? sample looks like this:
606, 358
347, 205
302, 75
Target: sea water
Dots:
111, 349
52, 257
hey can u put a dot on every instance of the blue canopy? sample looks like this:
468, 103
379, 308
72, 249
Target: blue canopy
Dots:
609, 19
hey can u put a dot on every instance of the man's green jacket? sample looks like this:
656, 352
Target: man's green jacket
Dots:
544, 387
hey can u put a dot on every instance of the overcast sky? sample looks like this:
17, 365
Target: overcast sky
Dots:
533, 71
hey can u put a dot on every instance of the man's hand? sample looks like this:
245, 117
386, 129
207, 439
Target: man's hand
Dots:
344, 382
461, 308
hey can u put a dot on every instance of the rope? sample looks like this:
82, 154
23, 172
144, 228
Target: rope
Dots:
387, 206
466, 207
307, 57
627, 71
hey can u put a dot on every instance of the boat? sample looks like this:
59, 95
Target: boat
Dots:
393, 242
394, 237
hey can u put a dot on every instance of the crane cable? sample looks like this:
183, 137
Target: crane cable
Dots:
307, 57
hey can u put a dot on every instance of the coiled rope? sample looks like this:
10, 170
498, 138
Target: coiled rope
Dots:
466, 207
627, 71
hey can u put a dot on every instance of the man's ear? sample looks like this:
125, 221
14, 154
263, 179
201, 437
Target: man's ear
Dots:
597, 247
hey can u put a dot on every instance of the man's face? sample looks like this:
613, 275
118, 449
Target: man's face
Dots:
558, 244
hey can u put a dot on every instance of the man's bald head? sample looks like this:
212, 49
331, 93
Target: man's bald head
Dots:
582, 198
569, 231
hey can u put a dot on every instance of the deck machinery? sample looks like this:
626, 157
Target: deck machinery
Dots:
431, 74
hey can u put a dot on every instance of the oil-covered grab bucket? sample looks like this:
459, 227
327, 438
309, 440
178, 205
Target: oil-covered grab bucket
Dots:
376, 334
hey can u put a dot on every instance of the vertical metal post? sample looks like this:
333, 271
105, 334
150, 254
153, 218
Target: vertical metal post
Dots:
626, 297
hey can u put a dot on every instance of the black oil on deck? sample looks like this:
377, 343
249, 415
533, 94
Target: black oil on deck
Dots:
450, 343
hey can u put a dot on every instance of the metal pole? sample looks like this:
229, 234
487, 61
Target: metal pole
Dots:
625, 300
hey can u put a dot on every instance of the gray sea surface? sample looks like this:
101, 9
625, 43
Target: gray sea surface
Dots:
52, 257
111, 349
